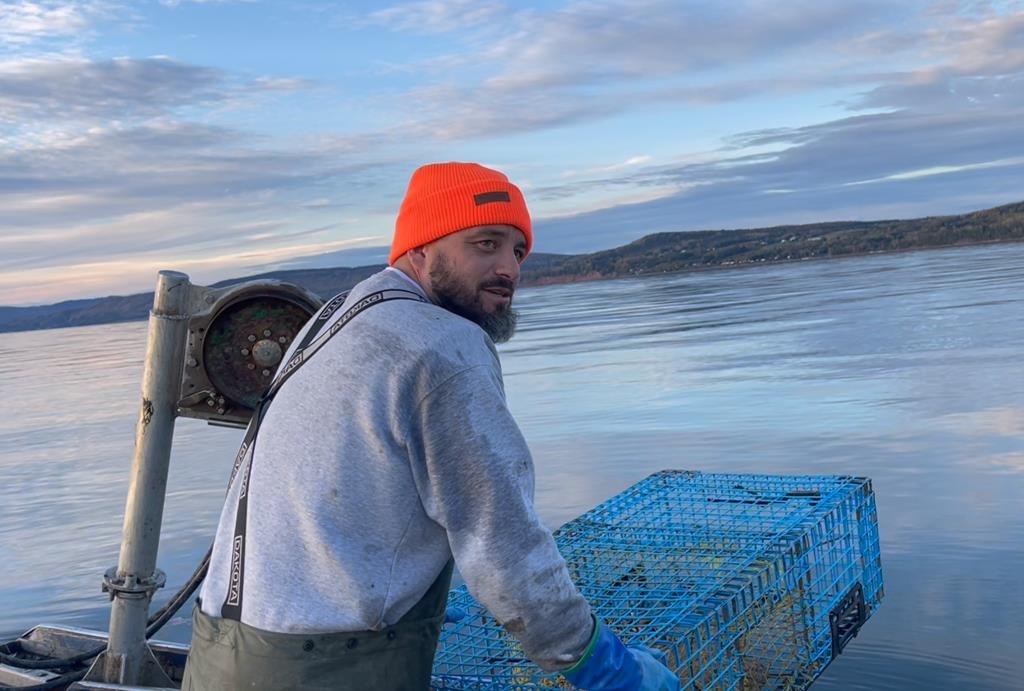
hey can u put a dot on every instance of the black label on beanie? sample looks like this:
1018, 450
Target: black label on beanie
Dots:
491, 197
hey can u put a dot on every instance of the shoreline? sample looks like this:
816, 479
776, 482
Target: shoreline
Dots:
587, 278
590, 277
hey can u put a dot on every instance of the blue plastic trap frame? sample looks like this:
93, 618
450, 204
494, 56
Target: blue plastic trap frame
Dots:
743, 581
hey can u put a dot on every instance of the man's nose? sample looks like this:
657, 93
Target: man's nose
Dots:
508, 265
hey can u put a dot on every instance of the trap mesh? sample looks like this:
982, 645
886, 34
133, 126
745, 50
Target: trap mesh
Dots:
743, 581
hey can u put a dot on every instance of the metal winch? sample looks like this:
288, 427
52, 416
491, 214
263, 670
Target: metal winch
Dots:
237, 337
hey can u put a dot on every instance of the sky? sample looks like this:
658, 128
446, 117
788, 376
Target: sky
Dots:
227, 138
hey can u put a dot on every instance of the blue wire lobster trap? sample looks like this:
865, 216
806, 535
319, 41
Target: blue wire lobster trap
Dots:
744, 581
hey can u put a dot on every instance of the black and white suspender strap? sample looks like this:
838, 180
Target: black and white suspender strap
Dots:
310, 344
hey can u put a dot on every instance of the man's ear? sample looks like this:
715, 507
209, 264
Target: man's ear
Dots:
417, 257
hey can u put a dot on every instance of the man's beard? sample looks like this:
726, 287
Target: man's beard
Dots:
464, 300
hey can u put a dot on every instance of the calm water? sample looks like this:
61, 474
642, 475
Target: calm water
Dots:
905, 368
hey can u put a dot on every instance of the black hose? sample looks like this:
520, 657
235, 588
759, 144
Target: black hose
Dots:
55, 683
27, 663
164, 614
154, 624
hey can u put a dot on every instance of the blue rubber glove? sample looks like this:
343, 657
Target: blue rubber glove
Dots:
454, 614
655, 675
608, 665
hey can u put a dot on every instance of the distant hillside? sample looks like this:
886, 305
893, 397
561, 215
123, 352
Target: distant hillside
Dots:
667, 252
658, 253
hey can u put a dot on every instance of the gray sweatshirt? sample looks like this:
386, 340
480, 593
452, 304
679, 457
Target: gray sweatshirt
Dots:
389, 451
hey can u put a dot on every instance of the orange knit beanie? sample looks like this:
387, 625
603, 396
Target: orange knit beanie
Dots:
444, 198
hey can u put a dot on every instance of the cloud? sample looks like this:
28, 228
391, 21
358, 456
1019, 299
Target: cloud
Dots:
106, 171
99, 166
595, 41
92, 141
593, 60
177, 3
879, 145
979, 63
76, 89
588, 61
437, 16
355, 256
119, 272
630, 162
24, 21
449, 112
281, 84
106, 199
964, 158
992, 46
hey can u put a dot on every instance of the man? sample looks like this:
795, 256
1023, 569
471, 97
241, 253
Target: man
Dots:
384, 454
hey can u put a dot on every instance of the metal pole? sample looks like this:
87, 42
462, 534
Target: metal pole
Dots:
137, 578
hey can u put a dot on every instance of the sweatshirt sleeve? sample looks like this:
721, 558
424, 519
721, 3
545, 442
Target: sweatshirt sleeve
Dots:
475, 478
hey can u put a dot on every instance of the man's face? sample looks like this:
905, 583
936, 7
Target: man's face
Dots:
474, 273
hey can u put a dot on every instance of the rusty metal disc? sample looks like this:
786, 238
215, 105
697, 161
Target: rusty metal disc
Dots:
245, 343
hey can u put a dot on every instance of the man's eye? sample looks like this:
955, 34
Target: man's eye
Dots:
520, 254
488, 244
